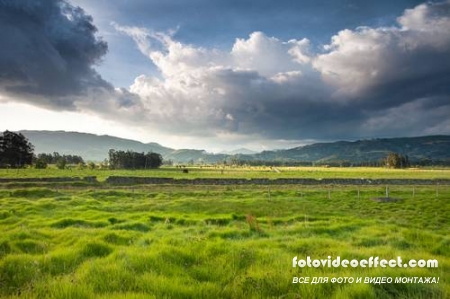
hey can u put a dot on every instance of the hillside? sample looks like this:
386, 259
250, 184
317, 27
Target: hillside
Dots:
427, 149
89, 146
424, 150
95, 147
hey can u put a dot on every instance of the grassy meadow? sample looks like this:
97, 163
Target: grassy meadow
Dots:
237, 172
166, 241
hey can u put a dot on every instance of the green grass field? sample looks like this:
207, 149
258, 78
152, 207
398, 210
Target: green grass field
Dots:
239, 172
219, 241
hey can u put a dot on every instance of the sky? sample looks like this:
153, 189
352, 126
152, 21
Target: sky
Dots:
221, 75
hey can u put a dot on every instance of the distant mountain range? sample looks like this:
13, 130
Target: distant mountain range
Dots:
426, 149
423, 150
95, 148
88, 146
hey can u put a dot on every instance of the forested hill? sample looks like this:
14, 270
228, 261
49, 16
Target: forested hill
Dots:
88, 146
427, 149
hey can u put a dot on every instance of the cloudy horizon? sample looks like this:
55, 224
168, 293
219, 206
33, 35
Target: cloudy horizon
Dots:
219, 77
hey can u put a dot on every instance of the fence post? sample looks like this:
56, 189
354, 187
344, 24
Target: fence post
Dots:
387, 191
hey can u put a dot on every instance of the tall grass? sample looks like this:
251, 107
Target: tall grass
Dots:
227, 242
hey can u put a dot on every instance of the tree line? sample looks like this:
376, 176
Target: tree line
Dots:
393, 160
133, 160
43, 159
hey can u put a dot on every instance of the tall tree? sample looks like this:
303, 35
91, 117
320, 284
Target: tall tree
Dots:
15, 150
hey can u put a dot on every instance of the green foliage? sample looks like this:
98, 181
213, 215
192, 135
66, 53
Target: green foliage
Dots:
61, 163
15, 150
55, 157
40, 164
133, 160
395, 160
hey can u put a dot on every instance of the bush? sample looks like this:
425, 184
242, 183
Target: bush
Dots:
61, 164
395, 160
40, 164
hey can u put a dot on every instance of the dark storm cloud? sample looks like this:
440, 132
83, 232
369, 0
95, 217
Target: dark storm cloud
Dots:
48, 51
300, 109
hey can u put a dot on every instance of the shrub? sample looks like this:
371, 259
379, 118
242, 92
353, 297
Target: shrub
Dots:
40, 164
61, 164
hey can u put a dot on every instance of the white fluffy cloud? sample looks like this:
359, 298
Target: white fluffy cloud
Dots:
268, 55
363, 61
282, 89
207, 91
